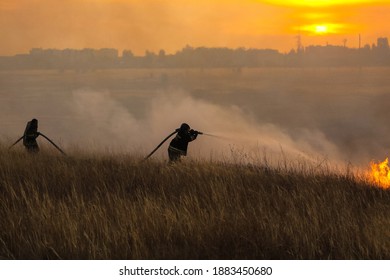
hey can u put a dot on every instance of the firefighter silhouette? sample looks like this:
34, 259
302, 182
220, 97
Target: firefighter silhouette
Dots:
30, 136
179, 145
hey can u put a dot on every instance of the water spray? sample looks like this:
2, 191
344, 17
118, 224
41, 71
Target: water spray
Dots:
212, 135
169, 136
215, 136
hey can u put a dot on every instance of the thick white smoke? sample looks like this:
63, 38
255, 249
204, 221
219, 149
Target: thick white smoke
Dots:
280, 113
96, 121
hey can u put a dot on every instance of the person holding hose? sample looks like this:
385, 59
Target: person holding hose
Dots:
30, 136
179, 145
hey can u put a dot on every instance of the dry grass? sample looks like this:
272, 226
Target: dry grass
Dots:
114, 207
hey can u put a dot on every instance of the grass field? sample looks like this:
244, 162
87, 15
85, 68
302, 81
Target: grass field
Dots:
90, 206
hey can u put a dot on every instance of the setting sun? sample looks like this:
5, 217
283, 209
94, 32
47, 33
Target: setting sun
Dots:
321, 29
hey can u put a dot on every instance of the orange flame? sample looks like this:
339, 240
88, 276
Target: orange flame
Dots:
380, 174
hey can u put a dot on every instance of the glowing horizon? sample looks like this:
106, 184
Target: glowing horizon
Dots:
155, 24
323, 3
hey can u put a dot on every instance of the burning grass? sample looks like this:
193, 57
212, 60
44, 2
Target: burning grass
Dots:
114, 207
380, 174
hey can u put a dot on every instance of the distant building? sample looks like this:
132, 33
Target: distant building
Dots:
88, 59
383, 43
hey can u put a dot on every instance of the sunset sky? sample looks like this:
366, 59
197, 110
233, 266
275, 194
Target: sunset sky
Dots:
140, 25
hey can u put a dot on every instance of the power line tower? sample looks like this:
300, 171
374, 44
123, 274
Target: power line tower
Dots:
345, 43
299, 43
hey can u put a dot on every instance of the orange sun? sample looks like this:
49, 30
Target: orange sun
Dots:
321, 28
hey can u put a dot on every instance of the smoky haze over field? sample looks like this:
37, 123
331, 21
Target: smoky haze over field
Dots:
337, 114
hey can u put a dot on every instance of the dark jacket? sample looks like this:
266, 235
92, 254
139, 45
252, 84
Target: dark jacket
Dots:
180, 142
30, 134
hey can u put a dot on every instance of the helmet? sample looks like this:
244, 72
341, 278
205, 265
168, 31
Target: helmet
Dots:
33, 124
184, 127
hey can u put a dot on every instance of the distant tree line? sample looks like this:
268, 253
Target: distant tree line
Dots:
201, 57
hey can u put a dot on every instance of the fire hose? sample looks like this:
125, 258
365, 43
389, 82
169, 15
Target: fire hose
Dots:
47, 138
163, 141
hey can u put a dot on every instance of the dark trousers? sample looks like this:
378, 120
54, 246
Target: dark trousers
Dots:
174, 154
32, 147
